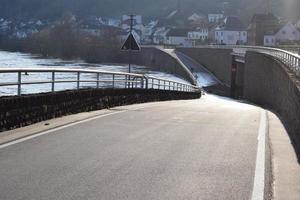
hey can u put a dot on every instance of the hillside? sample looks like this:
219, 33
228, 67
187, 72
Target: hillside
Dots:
42, 9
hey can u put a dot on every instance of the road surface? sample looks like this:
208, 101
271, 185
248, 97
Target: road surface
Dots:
194, 149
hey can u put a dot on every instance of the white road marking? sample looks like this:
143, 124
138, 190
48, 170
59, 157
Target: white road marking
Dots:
63, 127
259, 178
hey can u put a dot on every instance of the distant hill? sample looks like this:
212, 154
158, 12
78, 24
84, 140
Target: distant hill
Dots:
22, 9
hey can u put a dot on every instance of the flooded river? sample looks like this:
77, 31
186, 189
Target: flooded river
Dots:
21, 60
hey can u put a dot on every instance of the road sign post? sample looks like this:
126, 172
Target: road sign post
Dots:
130, 44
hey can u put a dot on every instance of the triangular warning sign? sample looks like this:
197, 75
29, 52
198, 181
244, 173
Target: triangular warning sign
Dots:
131, 44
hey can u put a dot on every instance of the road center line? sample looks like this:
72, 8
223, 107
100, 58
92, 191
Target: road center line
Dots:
259, 178
63, 127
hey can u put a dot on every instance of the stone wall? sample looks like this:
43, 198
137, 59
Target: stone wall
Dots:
28, 109
217, 60
157, 59
269, 83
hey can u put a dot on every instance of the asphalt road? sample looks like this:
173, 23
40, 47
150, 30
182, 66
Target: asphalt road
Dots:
195, 149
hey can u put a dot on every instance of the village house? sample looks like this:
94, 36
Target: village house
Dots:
231, 32
269, 40
198, 36
178, 37
19, 29
288, 34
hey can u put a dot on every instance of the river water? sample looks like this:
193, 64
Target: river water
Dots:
21, 60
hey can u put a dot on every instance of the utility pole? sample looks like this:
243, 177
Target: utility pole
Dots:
130, 49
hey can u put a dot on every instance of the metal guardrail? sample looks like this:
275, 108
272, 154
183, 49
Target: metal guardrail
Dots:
113, 79
290, 59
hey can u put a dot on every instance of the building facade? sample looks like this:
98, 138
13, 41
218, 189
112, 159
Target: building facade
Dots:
231, 32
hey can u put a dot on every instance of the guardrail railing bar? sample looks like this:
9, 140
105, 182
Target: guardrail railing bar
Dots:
130, 80
291, 59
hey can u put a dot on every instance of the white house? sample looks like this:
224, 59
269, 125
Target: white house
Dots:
178, 37
215, 18
269, 40
231, 32
200, 34
288, 33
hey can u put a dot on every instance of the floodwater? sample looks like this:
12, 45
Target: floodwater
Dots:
21, 60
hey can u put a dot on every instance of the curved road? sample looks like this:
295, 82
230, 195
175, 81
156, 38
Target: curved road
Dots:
194, 149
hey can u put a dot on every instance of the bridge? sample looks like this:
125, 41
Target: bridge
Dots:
209, 148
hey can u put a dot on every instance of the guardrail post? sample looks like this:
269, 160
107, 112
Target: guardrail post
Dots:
159, 84
78, 80
113, 81
129, 81
53, 82
98, 77
164, 85
152, 83
19, 83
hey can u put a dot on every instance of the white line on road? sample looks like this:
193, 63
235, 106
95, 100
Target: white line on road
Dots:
259, 178
63, 127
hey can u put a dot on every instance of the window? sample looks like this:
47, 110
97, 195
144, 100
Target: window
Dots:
267, 41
